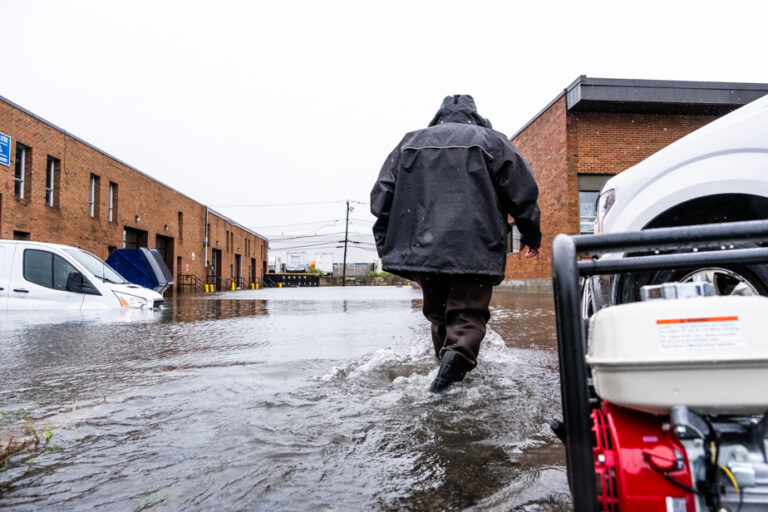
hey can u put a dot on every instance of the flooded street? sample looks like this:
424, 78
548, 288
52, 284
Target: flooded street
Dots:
280, 399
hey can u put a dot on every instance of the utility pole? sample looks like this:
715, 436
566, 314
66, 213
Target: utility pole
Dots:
346, 239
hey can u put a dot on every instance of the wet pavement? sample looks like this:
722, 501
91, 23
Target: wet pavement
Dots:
279, 399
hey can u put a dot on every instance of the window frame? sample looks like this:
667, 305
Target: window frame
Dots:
112, 212
20, 182
513, 239
93, 198
589, 184
51, 186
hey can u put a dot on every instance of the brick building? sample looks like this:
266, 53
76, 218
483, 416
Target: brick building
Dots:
55, 187
598, 127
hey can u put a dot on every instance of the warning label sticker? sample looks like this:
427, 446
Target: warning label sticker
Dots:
706, 334
675, 504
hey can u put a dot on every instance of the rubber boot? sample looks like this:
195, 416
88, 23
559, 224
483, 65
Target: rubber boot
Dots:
453, 368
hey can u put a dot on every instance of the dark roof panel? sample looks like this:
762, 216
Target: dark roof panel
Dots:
660, 96
587, 94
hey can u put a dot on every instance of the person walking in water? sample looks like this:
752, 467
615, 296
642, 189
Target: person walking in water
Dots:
442, 200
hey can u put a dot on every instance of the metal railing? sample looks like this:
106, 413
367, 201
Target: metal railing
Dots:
190, 283
290, 279
566, 270
219, 284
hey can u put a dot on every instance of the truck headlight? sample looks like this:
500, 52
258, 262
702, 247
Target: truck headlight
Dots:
130, 301
604, 203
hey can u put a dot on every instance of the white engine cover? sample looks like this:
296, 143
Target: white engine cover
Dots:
708, 353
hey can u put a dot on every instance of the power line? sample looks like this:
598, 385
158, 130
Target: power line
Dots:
317, 235
274, 205
298, 224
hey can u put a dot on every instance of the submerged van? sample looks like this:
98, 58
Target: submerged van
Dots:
37, 275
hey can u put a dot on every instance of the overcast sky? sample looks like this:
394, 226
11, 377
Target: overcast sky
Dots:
264, 103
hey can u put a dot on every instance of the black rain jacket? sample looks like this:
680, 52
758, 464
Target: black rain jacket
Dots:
444, 193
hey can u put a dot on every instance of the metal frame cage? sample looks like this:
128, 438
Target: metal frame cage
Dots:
571, 329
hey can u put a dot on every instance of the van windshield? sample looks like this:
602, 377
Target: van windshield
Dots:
96, 267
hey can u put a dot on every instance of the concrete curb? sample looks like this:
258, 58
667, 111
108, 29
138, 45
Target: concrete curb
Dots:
535, 286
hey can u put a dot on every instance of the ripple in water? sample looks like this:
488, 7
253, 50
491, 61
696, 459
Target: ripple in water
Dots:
308, 400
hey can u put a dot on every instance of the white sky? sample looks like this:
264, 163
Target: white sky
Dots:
254, 103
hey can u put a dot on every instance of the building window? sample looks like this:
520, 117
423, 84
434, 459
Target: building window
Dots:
513, 240
93, 198
52, 170
21, 173
589, 189
112, 214
181, 226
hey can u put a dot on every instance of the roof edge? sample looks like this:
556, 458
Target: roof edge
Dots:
539, 113
234, 223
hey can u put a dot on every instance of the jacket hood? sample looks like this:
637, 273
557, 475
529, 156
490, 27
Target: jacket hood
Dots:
459, 108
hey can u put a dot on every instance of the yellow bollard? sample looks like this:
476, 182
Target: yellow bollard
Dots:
257, 286
280, 284
233, 286
252, 286
206, 287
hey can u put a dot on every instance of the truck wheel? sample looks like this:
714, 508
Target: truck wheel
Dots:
741, 280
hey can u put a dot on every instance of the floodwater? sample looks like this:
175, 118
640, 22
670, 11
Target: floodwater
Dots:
279, 399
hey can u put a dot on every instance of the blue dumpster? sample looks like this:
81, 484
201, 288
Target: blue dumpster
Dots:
142, 266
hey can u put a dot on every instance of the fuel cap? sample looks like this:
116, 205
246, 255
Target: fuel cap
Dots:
663, 458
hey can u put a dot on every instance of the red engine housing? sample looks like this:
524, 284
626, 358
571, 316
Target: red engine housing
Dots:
632, 453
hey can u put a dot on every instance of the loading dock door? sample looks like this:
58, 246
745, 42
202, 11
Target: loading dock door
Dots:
134, 238
164, 245
214, 272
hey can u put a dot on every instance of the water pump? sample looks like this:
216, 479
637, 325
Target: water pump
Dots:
664, 400
682, 419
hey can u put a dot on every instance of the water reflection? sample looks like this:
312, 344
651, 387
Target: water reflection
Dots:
282, 400
195, 309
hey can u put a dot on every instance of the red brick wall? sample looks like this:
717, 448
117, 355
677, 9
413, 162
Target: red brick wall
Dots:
142, 202
607, 143
610, 143
543, 143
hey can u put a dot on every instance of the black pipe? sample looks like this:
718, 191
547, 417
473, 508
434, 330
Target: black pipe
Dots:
673, 261
677, 237
573, 375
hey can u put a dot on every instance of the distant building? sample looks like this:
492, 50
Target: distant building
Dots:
596, 128
59, 188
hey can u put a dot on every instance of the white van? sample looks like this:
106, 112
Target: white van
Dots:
37, 275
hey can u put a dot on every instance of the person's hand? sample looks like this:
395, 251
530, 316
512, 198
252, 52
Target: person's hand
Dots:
534, 253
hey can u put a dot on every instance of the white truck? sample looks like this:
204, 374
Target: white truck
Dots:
44, 276
324, 262
718, 173
296, 262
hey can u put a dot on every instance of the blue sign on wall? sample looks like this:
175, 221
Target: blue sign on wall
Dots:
5, 149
